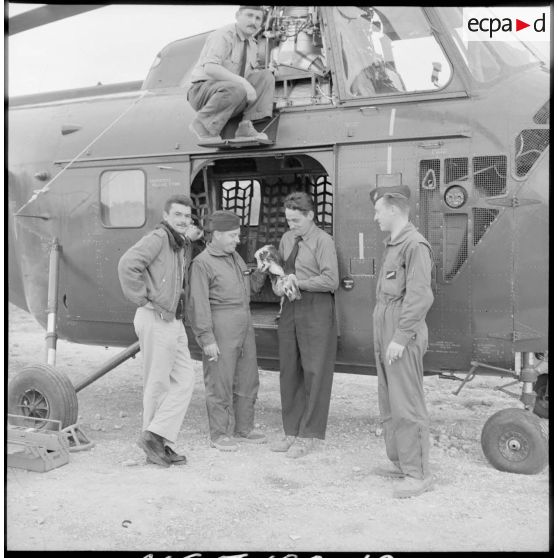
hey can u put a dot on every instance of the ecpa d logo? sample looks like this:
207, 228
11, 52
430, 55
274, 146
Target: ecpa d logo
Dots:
506, 24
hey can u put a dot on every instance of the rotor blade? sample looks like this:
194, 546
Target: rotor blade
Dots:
46, 14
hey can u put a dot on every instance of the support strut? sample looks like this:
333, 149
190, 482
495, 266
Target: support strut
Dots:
528, 377
121, 357
52, 302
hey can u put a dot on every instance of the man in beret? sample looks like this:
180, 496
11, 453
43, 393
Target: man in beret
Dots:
226, 81
403, 298
219, 313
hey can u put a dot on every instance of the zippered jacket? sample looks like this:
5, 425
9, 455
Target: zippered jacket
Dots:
152, 274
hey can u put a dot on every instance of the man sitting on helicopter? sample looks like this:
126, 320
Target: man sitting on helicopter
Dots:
225, 81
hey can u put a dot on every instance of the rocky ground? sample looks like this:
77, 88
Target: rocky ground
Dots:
107, 498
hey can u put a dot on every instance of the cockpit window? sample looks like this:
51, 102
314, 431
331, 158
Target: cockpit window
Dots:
387, 50
486, 60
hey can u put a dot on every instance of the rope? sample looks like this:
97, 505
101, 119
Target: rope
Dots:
46, 187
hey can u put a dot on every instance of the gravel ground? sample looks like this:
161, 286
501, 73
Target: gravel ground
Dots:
107, 498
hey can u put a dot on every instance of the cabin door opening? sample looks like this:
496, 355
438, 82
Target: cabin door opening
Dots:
254, 189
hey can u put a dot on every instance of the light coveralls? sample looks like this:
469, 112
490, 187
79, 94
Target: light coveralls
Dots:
219, 312
403, 298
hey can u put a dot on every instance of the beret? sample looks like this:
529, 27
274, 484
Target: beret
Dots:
401, 191
262, 8
223, 221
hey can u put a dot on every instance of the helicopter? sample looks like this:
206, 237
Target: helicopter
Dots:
365, 97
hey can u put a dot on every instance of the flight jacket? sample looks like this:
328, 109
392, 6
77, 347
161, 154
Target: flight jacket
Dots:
152, 273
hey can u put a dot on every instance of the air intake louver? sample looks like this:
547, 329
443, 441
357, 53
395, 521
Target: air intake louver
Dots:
543, 115
529, 145
490, 175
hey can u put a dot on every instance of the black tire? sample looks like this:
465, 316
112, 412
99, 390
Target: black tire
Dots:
42, 392
516, 441
541, 403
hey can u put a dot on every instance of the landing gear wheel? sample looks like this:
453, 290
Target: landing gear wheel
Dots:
40, 391
516, 441
541, 403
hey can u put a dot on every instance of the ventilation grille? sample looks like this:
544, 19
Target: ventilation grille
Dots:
529, 146
490, 175
543, 114
456, 169
482, 219
430, 213
448, 232
456, 249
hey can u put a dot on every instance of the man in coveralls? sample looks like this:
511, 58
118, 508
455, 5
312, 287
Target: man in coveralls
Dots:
307, 329
403, 298
226, 81
153, 275
219, 312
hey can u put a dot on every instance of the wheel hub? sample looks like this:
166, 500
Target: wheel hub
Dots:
514, 446
34, 404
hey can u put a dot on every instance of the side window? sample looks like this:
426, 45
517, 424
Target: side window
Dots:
388, 50
243, 198
122, 198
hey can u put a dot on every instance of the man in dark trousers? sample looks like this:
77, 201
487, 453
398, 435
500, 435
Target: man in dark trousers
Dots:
403, 298
153, 275
307, 329
226, 81
219, 313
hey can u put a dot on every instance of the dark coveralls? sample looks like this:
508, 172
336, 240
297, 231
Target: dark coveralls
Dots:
403, 298
219, 312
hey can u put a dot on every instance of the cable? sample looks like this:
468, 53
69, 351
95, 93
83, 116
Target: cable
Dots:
46, 187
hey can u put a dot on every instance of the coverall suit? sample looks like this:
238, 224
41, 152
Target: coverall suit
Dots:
219, 312
403, 298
